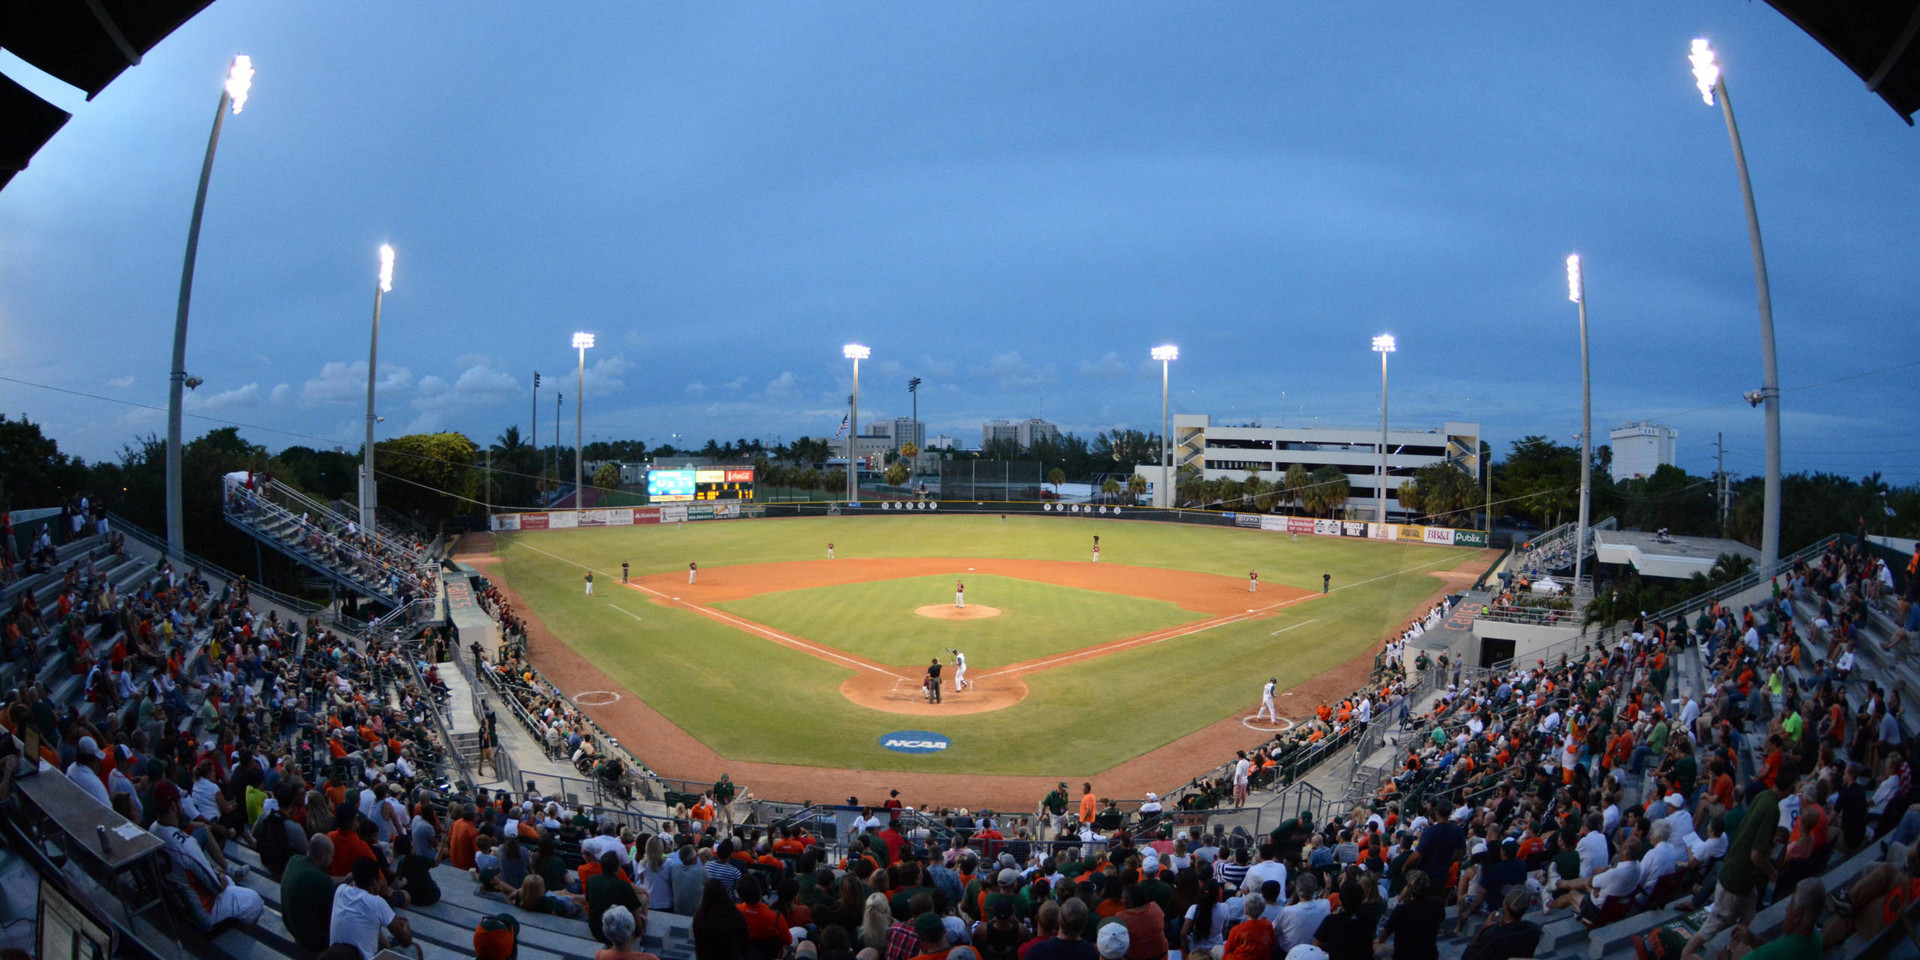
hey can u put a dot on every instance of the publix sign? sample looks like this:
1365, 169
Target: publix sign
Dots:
914, 741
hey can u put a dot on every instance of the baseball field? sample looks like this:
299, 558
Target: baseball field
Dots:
789, 669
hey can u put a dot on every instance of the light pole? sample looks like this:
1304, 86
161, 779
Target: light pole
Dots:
581, 342
1706, 74
233, 94
856, 353
1383, 345
369, 490
1577, 292
1166, 355
919, 435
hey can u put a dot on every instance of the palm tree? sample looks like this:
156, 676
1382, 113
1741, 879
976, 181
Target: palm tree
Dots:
1056, 476
1296, 482
1329, 488
1110, 487
1136, 487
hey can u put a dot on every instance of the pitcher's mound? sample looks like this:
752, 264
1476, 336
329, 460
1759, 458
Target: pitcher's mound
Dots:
947, 611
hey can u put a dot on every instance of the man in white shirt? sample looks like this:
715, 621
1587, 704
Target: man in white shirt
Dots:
360, 912
1666, 856
1268, 868
1592, 846
217, 896
84, 771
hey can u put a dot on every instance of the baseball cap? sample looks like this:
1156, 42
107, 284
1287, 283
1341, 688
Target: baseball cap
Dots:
928, 926
88, 748
1150, 865
1306, 951
1113, 941
1009, 877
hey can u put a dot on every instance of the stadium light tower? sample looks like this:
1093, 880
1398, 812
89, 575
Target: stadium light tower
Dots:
368, 488
1577, 292
1383, 345
233, 95
1164, 493
1706, 75
581, 342
856, 353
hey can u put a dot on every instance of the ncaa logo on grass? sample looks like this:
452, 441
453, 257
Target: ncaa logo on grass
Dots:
914, 741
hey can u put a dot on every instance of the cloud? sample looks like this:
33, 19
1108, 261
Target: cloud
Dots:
696, 389
476, 385
1108, 367
473, 360
247, 396
281, 394
738, 382
605, 377
782, 385
340, 383
892, 370
936, 368
1009, 372
121, 383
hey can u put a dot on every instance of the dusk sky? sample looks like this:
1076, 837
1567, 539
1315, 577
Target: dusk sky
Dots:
1012, 201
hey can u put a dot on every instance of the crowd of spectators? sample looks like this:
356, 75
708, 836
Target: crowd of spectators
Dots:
398, 567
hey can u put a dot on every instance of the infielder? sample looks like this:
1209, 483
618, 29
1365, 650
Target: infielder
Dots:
693, 571
829, 549
1267, 711
1096, 553
1253, 580
960, 594
960, 681
589, 583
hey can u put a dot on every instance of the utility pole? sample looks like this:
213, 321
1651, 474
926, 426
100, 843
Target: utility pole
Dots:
1720, 487
533, 417
557, 399
487, 497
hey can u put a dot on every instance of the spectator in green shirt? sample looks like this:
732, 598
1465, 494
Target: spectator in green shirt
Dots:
306, 894
1748, 860
1799, 937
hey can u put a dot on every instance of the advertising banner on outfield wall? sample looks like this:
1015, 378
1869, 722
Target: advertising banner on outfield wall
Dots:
1440, 535
1380, 531
504, 521
1469, 538
1326, 528
646, 515
1247, 520
673, 513
562, 520
1410, 531
1273, 523
1352, 528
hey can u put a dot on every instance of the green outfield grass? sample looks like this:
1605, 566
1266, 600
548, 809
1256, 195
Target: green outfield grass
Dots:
754, 700
1036, 619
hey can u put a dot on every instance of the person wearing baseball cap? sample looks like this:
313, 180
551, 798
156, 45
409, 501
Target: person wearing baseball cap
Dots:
1113, 941
84, 771
932, 932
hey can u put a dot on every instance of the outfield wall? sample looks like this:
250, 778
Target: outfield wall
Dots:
729, 510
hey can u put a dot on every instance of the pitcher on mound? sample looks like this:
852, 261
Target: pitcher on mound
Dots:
1267, 711
959, 595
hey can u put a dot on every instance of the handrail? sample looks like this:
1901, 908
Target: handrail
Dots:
132, 530
243, 506
273, 486
434, 709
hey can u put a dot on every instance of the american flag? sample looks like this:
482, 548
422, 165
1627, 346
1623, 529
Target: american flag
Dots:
844, 421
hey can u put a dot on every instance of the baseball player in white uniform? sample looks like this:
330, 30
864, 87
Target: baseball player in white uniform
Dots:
1253, 580
1267, 711
960, 681
960, 594
693, 571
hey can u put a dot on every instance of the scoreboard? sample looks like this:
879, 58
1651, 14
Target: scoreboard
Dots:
683, 484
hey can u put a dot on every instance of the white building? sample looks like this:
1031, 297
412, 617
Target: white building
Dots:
1229, 452
942, 442
1024, 433
1640, 448
903, 430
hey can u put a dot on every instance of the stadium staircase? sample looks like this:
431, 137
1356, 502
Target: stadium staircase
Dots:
372, 564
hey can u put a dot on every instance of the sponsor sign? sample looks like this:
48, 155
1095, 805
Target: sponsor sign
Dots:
1273, 524
1352, 528
1326, 528
673, 513
1410, 531
1380, 531
1299, 524
1248, 520
1469, 538
1442, 535
915, 741
533, 521
618, 517
506, 521
562, 520
740, 476
646, 515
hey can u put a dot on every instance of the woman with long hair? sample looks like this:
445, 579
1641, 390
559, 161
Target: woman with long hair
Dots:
1205, 925
719, 931
652, 876
874, 922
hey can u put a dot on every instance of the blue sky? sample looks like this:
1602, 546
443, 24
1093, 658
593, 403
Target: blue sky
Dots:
1011, 201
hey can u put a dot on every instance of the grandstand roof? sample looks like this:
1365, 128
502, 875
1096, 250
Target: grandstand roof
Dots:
82, 44
1874, 38
1656, 556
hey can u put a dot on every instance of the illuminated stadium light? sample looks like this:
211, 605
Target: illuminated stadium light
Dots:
239, 81
582, 341
1383, 343
386, 268
1163, 492
854, 351
1168, 352
1576, 291
1706, 72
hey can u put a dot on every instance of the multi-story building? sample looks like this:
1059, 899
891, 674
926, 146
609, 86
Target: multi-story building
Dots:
1640, 448
942, 442
1024, 433
903, 430
1229, 452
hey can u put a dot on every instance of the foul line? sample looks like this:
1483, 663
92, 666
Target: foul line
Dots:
805, 646
1300, 624
624, 610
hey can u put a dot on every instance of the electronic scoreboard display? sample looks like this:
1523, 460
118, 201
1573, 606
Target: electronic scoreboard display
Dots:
684, 484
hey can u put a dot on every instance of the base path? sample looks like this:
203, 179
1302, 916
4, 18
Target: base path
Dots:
673, 752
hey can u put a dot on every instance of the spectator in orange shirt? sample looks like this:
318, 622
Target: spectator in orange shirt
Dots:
767, 933
1089, 806
462, 837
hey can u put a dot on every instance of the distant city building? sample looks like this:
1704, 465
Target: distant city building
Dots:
1229, 452
942, 442
1640, 448
1024, 433
903, 430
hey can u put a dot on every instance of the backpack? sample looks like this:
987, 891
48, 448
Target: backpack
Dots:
496, 938
270, 840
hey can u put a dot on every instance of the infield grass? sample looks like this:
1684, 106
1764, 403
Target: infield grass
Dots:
754, 700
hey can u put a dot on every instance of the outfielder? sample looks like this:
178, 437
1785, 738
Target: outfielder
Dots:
693, 571
829, 549
960, 681
959, 594
589, 583
1267, 711
1096, 553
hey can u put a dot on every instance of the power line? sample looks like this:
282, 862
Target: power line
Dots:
149, 406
